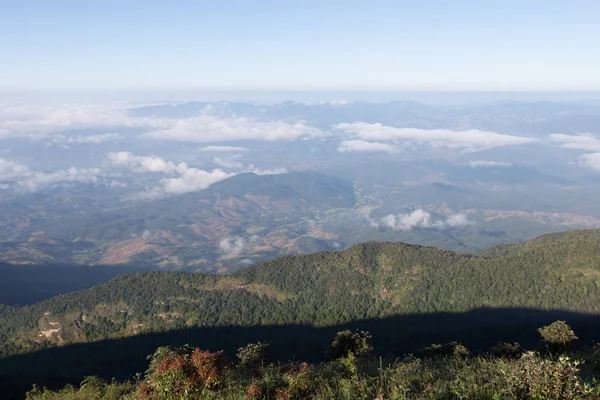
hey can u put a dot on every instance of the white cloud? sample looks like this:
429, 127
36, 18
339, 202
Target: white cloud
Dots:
232, 246
581, 142
38, 180
208, 128
230, 163
144, 163
418, 219
467, 141
38, 121
193, 180
591, 160
42, 121
481, 163
93, 139
23, 178
587, 142
10, 169
189, 179
236, 245
364, 146
457, 220
221, 149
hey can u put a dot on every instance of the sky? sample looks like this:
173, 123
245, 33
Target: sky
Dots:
72, 45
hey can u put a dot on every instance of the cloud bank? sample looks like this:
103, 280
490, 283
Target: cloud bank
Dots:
481, 163
188, 180
586, 142
364, 146
418, 219
467, 141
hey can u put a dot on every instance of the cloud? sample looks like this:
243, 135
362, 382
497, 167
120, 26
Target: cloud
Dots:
467, 141
417, 219
39, 121
193, 180
457, 220
10, 169
364, 146
591, 161
581, 142
38, 180
93, 139
230, 163
23, 178
587, 142
221, 149
209, 128
481, 163
236, 245
188, 180
232, 246
43, 121
144, 163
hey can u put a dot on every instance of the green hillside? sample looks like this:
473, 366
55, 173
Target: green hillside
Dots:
366, 281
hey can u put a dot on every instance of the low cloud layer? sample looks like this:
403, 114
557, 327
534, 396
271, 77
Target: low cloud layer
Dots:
587, 142
91, 139
10, 169
209, 128
188, 180
467, 141
221, 149
481, 163
418, 219
235, 246
44, 121
364, 146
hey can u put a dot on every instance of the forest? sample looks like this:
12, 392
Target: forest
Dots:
406, 296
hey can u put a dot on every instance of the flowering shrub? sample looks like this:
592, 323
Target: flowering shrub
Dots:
182, 374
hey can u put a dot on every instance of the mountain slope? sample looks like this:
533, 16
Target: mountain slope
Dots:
185, 232
370, 280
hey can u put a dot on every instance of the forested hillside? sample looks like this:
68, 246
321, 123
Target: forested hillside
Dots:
366, 281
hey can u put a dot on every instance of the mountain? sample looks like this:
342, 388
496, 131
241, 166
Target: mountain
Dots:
366, 281
260, 215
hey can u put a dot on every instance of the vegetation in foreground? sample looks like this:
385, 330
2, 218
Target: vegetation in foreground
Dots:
436, 372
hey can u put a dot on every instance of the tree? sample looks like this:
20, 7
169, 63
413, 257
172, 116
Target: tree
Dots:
557, 336
347, 342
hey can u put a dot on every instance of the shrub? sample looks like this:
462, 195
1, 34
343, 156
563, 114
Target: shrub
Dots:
557, 336
536, 378
254, 355
176, 373
452, 349
506, 350
348, 342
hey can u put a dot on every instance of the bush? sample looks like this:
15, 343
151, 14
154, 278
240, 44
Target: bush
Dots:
536, 378
347, 342
506, 350
452, 349
254, 355
176, 373
557, 336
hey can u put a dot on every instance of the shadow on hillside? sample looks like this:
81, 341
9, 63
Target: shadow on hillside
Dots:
122, 358
29, 284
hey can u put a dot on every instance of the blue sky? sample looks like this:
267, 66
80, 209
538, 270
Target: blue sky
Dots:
325, 44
